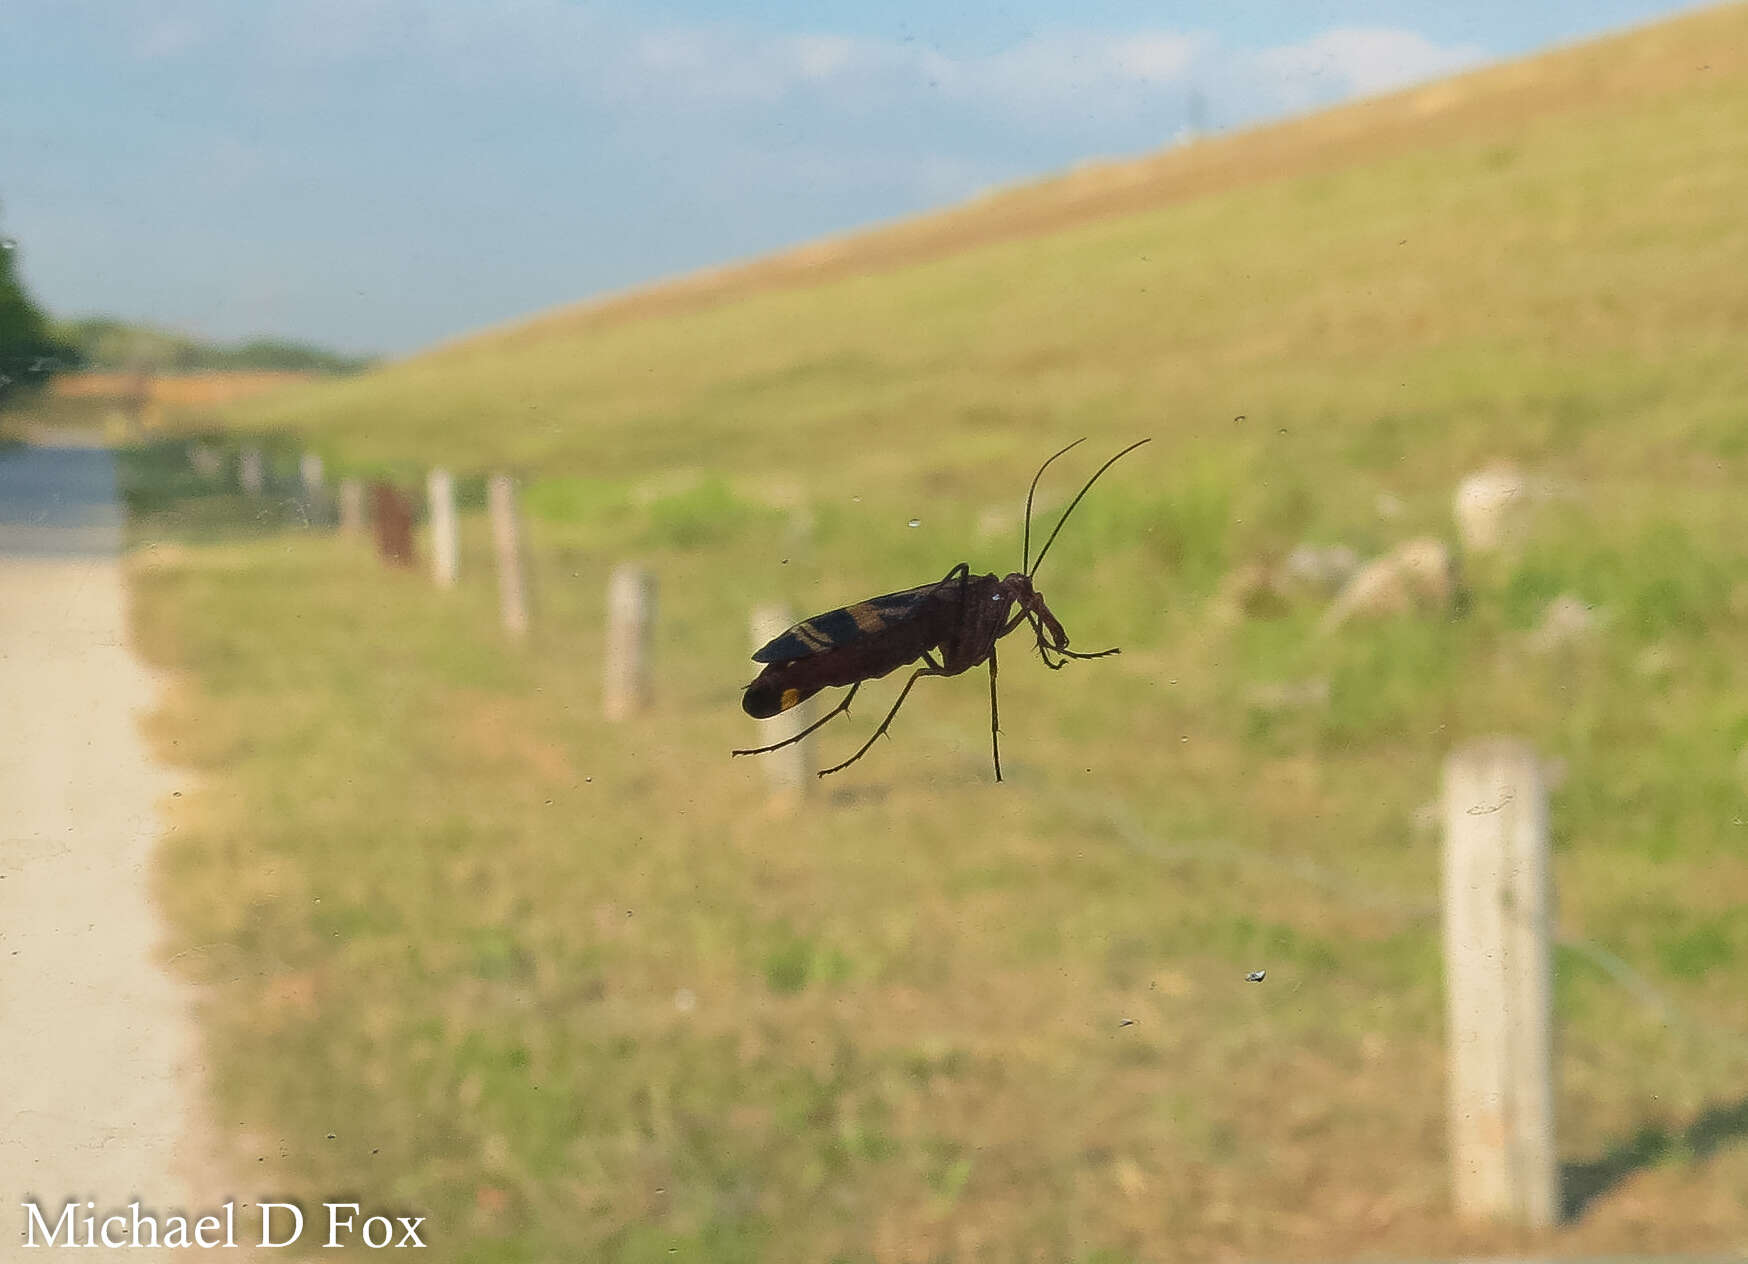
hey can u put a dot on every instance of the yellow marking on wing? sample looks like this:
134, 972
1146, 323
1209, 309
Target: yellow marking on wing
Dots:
790, 698
867, 618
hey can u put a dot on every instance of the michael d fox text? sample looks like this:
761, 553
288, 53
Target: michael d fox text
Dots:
281, 1224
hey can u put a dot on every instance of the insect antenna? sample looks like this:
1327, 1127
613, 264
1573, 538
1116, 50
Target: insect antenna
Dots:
1026, 546
1071, 504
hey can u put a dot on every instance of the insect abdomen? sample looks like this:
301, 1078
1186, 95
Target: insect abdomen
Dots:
766, 698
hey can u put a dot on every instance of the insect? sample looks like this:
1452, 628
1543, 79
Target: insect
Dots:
951, 626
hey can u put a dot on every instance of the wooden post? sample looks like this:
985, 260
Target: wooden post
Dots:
206, 460
309, 473
351, 506
251, 474
1499, 984
507, 544
315, 493
789, 769
393, 513
631, 594
139, 397
445, 543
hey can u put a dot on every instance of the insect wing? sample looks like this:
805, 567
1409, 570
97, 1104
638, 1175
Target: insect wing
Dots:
846, 624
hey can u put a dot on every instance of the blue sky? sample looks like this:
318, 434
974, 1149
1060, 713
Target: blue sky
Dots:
376, 175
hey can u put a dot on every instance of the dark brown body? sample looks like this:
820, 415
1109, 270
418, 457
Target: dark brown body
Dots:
949, 627
957, 621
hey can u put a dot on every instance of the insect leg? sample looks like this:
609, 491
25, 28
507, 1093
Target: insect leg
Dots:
884, 724
1044, 646
994, 719
1100, 654
1048, 643
789, 741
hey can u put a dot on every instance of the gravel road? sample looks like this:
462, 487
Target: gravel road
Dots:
99, 1077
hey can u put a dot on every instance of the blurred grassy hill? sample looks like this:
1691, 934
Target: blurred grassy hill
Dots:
1501, 249
578, 990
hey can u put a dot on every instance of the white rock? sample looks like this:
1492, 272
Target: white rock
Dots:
1289, 695
1416, 575
1568, 620
1490, 507
1324, 568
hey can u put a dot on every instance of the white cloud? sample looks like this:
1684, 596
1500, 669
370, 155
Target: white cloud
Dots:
729, 66
167, 37
822, 56
1088, 72
1066, 74
1156, 57
592, 55
1360, 61
700, 64
335, 32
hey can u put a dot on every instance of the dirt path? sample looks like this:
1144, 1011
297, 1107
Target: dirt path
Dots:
99, 1082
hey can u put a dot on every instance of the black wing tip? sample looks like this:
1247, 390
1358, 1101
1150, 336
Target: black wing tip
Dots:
761, 704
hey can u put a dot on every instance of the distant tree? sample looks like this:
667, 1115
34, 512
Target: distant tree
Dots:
105, 343
30, 353
277, 353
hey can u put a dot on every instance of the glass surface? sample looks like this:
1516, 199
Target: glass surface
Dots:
431, 434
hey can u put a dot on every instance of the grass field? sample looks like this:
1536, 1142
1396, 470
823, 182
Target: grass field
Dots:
576, 991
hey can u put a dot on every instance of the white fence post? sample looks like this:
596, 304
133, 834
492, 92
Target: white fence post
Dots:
788, 769
316, 508
631, 597
507, 544
309, 473
207, 461
445, 543
1499, 984
351, 506
251, 473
